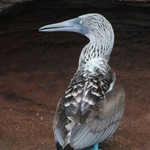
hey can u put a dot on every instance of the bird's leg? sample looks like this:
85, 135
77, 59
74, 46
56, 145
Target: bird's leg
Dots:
95, 147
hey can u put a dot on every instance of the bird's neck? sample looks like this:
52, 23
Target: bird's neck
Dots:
96, 48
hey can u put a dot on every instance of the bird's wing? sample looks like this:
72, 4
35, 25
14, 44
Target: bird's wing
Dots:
59, 124
82, 114
102, 121
66, 114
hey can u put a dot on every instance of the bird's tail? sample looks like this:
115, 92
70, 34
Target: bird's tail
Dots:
68, 147
59, 147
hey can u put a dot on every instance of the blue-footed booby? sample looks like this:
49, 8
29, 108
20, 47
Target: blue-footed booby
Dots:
92, 107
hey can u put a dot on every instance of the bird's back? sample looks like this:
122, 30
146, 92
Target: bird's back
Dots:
87, 111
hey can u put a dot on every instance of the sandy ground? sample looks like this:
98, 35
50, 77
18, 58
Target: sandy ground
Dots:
35, 69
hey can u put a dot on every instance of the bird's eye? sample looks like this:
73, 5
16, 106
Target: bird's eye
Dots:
81, 21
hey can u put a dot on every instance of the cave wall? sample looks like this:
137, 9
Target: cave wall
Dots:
36, 68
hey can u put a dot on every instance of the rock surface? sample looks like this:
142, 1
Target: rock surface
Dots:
6, 6
35, 69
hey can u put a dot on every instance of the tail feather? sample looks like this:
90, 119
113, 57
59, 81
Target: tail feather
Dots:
58, 146
68, 147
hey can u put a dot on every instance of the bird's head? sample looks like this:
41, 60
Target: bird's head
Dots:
91, 25
94, 26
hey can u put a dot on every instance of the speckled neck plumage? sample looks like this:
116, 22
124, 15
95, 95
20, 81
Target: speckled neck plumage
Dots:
101, 42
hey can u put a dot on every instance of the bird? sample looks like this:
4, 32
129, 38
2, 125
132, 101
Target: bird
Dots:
92, 106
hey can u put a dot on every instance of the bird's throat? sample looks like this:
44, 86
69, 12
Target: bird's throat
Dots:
95, 49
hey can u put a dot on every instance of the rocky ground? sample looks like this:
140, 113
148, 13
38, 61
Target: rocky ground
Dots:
35, 69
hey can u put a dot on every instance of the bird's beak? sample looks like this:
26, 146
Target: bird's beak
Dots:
72, 25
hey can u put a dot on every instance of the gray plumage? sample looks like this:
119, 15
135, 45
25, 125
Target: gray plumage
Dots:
91, 109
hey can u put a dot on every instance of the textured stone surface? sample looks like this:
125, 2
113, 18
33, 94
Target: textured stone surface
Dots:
15, 1
35, 69
6, 4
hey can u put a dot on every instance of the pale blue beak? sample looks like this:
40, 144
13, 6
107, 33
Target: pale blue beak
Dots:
73, 25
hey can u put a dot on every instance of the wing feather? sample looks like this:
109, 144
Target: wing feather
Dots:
100, 127
93, 115
89, 138
59, 136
